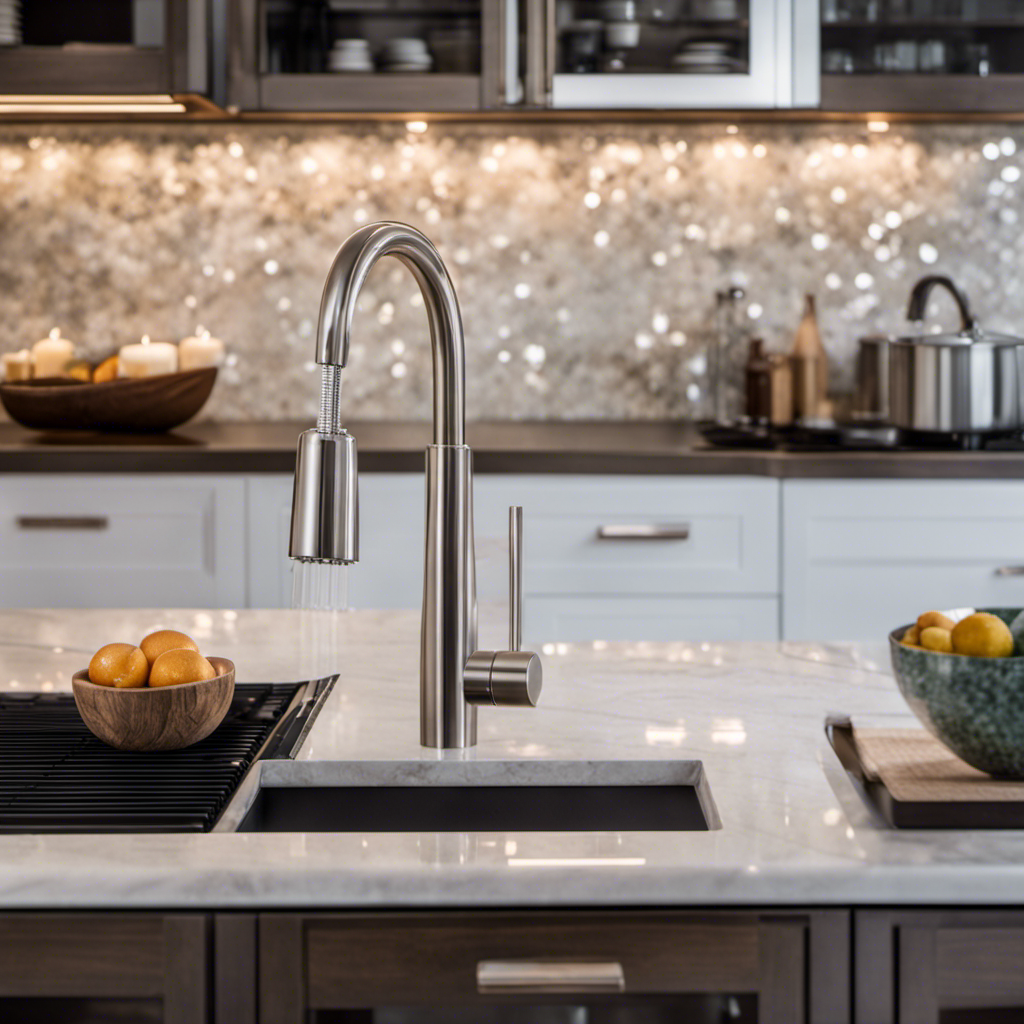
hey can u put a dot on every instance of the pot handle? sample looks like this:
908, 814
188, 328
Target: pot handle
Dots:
919, 300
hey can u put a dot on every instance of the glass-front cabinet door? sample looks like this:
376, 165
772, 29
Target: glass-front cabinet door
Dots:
383, 55
75, 48
943, 55
645, 54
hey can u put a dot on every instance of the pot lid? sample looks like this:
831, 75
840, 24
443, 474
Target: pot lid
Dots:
970, 333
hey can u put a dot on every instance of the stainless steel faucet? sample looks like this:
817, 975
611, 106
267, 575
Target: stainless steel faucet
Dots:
454, 676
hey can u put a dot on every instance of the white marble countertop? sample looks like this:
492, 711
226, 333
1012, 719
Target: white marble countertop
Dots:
793, 829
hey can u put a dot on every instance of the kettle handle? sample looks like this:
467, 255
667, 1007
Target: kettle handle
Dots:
919, 300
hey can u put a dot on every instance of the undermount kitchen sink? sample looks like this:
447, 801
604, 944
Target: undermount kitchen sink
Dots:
488, 796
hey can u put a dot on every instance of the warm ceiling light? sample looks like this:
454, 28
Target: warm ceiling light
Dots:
878, 126
60, 104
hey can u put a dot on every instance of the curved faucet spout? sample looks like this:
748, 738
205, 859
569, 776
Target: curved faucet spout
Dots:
345, 280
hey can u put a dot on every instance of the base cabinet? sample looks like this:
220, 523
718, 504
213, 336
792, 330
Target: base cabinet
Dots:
104, 967
928, 967
532, 966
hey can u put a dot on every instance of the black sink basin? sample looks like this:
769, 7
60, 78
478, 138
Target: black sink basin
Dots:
615, 796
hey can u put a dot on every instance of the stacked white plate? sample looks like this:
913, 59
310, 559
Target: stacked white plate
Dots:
705, 57
406, 55
10, 22
348, 55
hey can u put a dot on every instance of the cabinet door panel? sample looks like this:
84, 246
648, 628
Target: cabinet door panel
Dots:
862, 557
721, 536
122, 541
923, 963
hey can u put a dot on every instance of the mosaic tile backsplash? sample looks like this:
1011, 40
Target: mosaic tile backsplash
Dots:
586, 258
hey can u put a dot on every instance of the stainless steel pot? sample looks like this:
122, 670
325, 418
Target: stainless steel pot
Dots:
967, 382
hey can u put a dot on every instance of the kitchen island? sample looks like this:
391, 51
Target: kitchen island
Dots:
795, 845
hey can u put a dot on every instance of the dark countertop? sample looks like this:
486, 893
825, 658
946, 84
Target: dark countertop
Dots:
557, 446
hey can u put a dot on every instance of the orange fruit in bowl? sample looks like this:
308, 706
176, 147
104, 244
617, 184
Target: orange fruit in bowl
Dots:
164, 640
120, 665
180, 665
982, 635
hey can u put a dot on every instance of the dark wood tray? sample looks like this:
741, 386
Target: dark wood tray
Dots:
924, 814
142, 405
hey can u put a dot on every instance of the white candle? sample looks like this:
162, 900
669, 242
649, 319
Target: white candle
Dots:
199, 351
52, 355
147, 359
18, 365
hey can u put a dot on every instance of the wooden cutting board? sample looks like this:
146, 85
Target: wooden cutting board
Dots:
913, 781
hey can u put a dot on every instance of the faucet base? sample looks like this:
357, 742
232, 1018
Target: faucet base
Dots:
448, 631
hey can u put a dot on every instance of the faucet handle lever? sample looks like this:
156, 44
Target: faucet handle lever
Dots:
513, 677
515, 577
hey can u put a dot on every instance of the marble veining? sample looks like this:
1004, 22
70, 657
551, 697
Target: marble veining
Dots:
586, 257
793, 830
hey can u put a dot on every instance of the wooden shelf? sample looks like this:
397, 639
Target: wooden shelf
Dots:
370, 92
913, 93
88, 71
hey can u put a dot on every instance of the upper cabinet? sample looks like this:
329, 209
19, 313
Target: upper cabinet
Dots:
683, 54
373, 55
424, 56
922, 55
67, 49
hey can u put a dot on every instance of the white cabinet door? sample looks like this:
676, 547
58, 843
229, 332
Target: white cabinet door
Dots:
389, 573
635, 557
643, 535
861, 557
716, 579
770, 58
124, 541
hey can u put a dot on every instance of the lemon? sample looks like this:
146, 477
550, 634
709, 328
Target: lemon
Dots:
982, 635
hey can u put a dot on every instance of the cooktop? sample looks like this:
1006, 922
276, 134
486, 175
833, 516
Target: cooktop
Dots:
56, 777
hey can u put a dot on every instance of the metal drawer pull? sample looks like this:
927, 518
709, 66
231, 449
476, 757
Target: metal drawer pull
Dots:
644, 531
62, 522
1010, 570
507, 976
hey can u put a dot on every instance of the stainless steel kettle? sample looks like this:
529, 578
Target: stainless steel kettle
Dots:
968, 382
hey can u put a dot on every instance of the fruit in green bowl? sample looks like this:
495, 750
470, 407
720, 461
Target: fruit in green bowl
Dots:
973, 705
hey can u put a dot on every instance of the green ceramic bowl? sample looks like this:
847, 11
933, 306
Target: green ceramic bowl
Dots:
975, 706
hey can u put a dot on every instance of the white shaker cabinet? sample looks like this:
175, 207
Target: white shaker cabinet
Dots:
122, 541
863, 556
605, 557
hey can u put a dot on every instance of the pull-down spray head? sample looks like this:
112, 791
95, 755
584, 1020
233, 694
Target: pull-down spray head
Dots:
325, 502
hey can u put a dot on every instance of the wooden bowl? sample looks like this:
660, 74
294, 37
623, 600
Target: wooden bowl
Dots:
139, 405
157, 718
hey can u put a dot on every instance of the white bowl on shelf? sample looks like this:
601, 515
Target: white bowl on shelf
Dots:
621, 35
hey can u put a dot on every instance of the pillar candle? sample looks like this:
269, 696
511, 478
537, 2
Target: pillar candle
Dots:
18, 365
147, 359
52, 355
199, 351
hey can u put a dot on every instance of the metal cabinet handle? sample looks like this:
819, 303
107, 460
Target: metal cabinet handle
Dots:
1010, 570
523, 976
62, 522
644, 531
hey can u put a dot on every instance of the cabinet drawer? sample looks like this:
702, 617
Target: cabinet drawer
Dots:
639, 535
365, 961
862, 557
121, 541
581, 619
